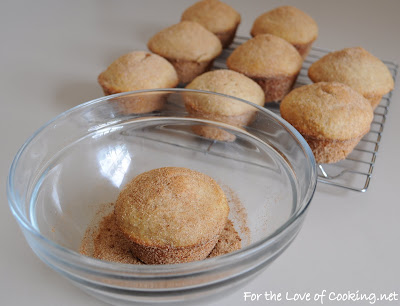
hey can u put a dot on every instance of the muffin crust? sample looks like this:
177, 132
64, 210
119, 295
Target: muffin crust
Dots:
270, 61
226, 82
186, 43
135, 71
171, 215
138, 70
220, 108
216, 16
331, 116
289, 23
356, 68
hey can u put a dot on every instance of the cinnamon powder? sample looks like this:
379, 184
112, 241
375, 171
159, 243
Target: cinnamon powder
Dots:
238, 214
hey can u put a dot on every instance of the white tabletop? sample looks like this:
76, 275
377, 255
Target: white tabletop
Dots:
51, 54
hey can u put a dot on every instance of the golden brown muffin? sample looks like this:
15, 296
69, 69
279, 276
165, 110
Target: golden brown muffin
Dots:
332, 117
289, 23
134, 71
189, 46
217, 17
220, 108
357, 68
171, 215
270, 61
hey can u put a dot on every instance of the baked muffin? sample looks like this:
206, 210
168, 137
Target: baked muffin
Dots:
289, 23
357, 68
220, 108
217, 17
171, 215
189, 46
332, 117
270, 61
134, 71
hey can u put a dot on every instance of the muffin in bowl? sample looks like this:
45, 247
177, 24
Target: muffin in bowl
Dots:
217, 17
289, 23
332, 117
270, 61
189, 47
171, 215
138, 70
219, 108
357, 68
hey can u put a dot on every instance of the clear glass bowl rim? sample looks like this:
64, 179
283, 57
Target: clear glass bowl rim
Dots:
127, 271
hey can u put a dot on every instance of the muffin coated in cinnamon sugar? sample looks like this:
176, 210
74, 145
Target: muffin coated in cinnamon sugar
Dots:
134, 71
171, 215
357, 68
220, 108
217, 17
332, 117
189, 46
289, 23
270, 61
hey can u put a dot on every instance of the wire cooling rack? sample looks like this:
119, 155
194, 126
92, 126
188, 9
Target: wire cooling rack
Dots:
355, 171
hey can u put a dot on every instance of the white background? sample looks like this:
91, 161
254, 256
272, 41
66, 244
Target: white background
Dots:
51, 53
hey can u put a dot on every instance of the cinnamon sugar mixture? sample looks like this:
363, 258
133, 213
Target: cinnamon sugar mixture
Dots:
103, 240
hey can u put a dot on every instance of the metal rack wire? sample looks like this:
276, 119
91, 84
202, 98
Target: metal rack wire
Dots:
355, 171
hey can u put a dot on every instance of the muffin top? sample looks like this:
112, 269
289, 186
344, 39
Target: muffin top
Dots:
171, 207
214, 15
287, 22
227, 82
355, 67
328, 110
186, 40
265, 55
138, 70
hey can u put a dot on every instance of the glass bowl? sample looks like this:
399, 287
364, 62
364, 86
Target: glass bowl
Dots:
80, 160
